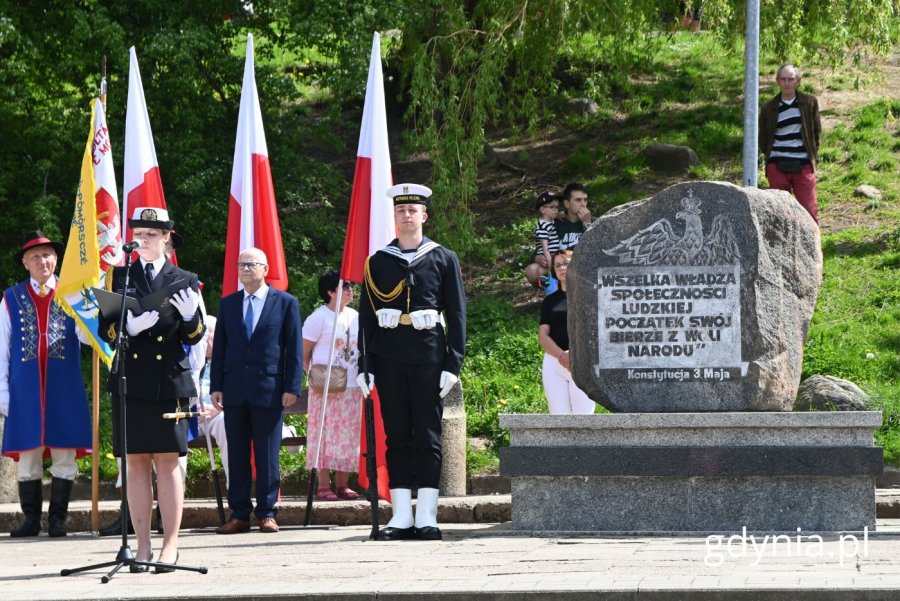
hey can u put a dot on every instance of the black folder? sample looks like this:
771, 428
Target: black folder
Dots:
110, 303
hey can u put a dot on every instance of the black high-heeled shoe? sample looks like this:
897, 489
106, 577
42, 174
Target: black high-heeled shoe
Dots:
160, 569
138, 568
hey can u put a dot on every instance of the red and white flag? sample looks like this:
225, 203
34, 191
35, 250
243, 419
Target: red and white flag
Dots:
371, 222
370, 225
143, 184
109, 223
252, 215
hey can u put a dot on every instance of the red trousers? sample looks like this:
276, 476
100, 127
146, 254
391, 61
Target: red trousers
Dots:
802, 185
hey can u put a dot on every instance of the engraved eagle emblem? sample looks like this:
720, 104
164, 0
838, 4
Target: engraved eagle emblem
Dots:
660, 245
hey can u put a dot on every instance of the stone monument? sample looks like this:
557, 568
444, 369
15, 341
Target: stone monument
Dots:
705, 291
688, 313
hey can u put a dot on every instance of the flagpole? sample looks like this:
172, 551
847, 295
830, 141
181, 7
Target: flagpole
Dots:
95, 443
321, 426
95, 389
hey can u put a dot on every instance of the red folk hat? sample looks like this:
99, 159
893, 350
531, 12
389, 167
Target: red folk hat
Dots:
35, 239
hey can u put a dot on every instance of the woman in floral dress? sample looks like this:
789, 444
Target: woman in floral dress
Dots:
341, 432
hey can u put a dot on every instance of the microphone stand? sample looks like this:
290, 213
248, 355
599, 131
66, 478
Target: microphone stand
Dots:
125, 557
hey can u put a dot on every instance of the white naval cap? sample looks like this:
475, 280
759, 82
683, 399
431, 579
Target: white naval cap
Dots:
409, 194
154, 217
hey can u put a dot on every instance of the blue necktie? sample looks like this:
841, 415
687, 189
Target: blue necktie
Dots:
248, 317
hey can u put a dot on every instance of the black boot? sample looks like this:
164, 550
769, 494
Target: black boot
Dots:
115, 529
60, 492
30, 498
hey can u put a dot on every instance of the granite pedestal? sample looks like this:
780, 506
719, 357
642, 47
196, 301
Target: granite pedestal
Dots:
693, 472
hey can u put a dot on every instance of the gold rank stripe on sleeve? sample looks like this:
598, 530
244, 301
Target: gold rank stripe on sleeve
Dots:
199, 329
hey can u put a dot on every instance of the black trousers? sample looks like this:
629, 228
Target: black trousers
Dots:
411, 410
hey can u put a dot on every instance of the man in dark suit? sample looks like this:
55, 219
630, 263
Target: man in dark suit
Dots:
256, 372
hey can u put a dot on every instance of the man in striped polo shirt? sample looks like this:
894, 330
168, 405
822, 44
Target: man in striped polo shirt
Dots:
789, 135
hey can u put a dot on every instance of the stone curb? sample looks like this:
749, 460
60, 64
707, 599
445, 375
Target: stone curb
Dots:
476, 509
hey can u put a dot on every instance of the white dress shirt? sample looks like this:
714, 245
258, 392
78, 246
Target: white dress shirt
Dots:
157, 266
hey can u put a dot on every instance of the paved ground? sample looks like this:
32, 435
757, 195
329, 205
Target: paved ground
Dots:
475, 561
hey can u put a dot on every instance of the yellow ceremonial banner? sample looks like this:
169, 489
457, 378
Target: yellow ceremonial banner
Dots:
81, 264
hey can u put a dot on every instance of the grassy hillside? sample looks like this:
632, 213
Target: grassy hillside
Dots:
691, 94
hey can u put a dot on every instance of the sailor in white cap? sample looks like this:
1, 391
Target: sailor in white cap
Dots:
414, 356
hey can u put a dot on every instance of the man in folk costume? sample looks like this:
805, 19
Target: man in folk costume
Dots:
42, 390
414, 357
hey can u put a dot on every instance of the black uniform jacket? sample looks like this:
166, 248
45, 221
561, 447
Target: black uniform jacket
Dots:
156, 364
434, 281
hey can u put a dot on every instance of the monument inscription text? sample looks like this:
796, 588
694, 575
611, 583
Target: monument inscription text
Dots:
683, 320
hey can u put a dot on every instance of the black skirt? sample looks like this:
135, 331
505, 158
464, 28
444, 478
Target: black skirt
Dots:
147, 431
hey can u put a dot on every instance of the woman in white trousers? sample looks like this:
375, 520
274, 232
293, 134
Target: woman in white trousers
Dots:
563, 396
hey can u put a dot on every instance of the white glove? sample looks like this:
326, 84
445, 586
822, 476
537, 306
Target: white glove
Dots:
144, 321
424, 319
4, 404
186, 301
366, 388
388, 318
447, 382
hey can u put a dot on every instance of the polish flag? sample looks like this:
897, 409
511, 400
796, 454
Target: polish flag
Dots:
371, 222
143, 184
109, 223
370, 225
252, 215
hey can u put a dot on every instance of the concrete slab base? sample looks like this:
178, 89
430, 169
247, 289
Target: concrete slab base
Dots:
698, 472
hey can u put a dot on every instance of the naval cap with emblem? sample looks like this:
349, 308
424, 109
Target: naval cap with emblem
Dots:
154, 217
404, 194
35, 239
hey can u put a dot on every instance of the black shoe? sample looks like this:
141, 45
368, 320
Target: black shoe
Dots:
391, 533
138, 569
429, 533
160, 569
30, 498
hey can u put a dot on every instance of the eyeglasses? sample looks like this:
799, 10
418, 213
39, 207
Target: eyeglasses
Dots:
347, 286
563, 264
249, 266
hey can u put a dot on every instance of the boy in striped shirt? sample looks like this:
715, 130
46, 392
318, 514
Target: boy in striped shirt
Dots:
545, 236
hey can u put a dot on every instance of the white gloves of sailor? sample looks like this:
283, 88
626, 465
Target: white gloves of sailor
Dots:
388, 318
424, 319
447, 382
137, 324
186, 301
4, 403
365, 387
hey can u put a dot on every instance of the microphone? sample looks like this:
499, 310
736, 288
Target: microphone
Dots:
132, 246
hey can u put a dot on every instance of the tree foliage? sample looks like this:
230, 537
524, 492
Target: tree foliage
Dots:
454, 69
191, 56
467, 66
